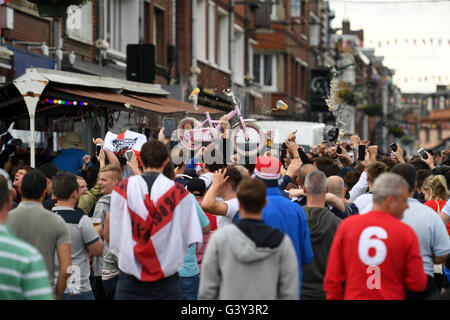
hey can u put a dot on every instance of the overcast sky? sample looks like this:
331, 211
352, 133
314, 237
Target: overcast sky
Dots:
397, 20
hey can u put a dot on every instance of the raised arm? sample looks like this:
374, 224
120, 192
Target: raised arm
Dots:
112, 159
335, 201
210, 203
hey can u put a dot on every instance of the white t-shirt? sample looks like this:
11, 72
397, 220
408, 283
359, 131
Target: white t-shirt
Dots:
233, 208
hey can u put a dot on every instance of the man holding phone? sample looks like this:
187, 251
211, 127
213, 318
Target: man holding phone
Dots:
168, 127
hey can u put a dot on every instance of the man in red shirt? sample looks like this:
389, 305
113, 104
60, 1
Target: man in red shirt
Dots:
375, 256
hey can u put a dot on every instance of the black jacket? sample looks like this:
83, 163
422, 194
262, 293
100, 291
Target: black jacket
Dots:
322, 228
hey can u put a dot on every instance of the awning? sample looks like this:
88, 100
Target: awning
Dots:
25, 98
168, 105
159, 104
101, 91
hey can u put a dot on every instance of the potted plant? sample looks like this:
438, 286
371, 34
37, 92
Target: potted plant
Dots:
372, 109
55, 8
347, 96
407, 140
397, 132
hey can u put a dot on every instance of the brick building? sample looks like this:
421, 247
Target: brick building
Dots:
296, 41
262, 49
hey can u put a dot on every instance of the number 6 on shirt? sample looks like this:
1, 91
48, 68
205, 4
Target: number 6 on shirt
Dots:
366, 243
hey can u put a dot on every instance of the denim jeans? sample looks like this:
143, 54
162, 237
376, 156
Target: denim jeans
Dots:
109, 287
189, 287
130, 288
80, 296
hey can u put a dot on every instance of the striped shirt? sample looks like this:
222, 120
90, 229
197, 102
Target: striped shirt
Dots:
23, 275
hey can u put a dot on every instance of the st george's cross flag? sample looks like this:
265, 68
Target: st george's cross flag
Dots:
127, 140
150, 233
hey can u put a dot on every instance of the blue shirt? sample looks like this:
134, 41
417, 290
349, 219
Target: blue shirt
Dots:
70, 160
190, 266
290, 218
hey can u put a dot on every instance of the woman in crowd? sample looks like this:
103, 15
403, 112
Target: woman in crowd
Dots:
436, 193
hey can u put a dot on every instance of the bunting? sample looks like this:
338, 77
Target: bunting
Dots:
416, 41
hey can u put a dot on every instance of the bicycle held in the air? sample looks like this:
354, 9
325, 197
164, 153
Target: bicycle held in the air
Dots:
246, 137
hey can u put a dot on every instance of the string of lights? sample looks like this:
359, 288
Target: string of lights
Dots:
67, 102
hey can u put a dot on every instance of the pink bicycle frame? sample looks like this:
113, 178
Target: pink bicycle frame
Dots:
216, 123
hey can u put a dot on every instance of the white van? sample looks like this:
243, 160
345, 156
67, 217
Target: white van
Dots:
308, 133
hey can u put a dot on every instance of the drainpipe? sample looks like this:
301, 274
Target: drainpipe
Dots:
175, 37
58, 39
385, 112
141, 22
194, 66
231, 41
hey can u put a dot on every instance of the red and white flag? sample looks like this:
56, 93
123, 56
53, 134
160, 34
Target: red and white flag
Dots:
150, 233
127, 140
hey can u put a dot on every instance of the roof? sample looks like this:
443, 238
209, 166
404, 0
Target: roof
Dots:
103, 92
73, 78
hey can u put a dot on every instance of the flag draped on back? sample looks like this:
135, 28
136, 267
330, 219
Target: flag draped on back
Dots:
150, 233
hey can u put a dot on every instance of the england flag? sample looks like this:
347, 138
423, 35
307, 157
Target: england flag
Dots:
150, 233
127, 140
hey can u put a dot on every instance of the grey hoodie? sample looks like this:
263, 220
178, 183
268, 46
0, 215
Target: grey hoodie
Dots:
322, 227
249, 260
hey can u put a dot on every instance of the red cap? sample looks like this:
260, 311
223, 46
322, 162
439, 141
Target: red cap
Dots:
268, 168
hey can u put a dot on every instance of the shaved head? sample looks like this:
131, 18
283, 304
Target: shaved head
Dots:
336, 186
303, 172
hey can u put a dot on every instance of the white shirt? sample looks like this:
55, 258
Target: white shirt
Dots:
360, 187
233, 208
446, 208
363, 201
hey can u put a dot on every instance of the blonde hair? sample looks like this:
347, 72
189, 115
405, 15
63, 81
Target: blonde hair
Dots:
438, 187
115, 170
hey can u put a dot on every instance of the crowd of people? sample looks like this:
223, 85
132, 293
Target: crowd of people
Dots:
330, 223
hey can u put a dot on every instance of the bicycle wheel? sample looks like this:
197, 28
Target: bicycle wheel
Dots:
187, 124
255, 143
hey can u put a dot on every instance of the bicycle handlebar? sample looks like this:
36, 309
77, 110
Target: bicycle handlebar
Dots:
230, 93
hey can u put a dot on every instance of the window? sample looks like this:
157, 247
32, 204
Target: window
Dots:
158, 36
295, 9
199, 34
267, 70
264, 70
212, 33
238, 55
274, 14
223, 41
79, 23
121, 25
303, 81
